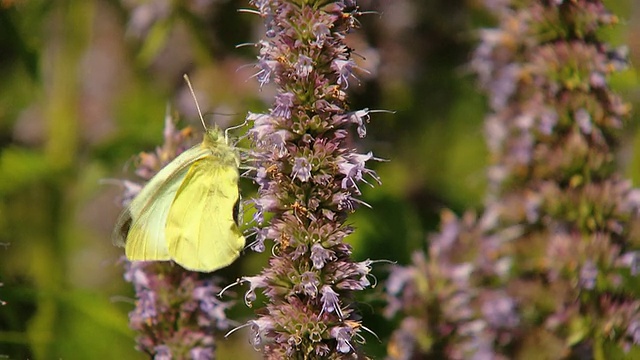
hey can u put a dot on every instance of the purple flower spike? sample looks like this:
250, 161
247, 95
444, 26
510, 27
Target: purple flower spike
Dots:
308, 177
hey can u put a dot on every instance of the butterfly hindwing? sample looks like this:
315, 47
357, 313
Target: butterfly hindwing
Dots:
201, 231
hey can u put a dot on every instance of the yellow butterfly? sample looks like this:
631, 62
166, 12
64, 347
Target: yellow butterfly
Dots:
188, 211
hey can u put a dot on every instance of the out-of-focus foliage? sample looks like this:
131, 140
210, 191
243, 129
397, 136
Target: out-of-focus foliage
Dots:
84, 87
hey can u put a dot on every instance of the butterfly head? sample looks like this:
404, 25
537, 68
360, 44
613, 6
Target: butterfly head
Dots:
214, 137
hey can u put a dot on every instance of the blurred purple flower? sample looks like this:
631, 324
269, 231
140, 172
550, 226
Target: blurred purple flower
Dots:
554, 253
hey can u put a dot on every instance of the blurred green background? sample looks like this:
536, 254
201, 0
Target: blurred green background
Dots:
83, 88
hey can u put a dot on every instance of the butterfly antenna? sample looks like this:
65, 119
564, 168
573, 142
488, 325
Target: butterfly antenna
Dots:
186, 78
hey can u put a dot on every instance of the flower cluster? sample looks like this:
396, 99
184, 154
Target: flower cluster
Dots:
308, 179
177, 311
452, 305
548, 270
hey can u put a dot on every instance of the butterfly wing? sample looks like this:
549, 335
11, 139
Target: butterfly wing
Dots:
141, 226
201, 231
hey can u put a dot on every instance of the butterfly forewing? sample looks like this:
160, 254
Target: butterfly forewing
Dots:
201, 232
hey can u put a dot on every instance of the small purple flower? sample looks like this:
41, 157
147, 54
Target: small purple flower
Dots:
284, 103
202, 353
267, 67
210, 305
631, 260
320, 255
263, 125
500, 311
308, 285
597, 79
262, 6
345, 201
259, 328
360, 118
135, 274
261, 235
349, 276
304, 66
330, 301
146, 306
343, 335
265, 204
254, 283
583, 119
301, 169
162, 352
633, 331
588, 275
547, 121
322, 350
344, 69
300, 251
353, 168
399, 277
321, 32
